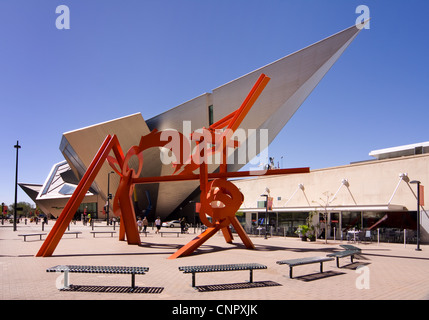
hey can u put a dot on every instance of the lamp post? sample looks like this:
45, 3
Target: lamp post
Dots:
266, 214
418, 213
109, 196
17, 146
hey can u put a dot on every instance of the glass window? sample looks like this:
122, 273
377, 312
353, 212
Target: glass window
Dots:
291, 220
88, 208
211, 117
351, 220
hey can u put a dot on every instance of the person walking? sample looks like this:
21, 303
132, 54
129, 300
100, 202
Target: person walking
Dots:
145, 223
140, 224
158, 224
183, 225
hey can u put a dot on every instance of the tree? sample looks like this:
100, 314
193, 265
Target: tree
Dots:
27, 208
325, 203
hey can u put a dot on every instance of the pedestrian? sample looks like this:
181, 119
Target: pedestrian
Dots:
158, 224
145, 223
140, 224
183, 225
322, 228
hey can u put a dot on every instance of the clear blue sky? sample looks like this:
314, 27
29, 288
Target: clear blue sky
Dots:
123, 57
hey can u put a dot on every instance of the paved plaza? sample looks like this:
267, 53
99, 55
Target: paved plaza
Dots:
382, 271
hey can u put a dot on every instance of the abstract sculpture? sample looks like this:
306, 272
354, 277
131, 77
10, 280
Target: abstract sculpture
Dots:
220, 199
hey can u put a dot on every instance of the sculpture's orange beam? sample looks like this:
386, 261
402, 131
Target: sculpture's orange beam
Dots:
231, 122
234, 119
195, 243
224, 121
74, 202
247, 104
217, 175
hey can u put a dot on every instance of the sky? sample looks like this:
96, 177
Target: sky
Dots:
120, 57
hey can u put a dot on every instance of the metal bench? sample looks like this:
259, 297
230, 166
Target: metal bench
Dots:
162, 232
99, 269
302, 261
73, 232
343, 254
350, 247
222, 267
31, 234
95, 232
349, 252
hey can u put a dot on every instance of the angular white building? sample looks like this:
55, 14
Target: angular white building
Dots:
292, 79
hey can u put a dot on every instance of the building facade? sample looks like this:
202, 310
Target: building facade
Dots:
376, 196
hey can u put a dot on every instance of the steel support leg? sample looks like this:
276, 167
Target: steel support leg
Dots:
133, 281
193, 279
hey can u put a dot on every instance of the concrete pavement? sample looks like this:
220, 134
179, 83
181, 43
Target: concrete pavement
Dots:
384, 271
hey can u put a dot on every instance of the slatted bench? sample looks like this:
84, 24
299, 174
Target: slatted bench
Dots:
99, 269
349, 252
31, 234
302, 261
222, 267
73, 232
350, 247
343, 254
95, 232
162, 232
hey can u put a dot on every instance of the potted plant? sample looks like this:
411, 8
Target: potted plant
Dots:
302, 231
311, 234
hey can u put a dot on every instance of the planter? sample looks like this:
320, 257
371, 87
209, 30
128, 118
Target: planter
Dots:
304, 238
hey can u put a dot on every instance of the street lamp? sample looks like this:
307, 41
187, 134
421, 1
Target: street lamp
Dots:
418, 213
17, 146
266, 214
109, 196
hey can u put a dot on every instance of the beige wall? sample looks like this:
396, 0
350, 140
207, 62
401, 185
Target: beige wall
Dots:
370, 183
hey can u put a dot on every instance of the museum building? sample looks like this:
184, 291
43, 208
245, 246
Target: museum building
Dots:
373, 195
377, 197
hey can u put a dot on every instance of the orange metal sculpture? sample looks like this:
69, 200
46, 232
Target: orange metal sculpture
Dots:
220, 199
